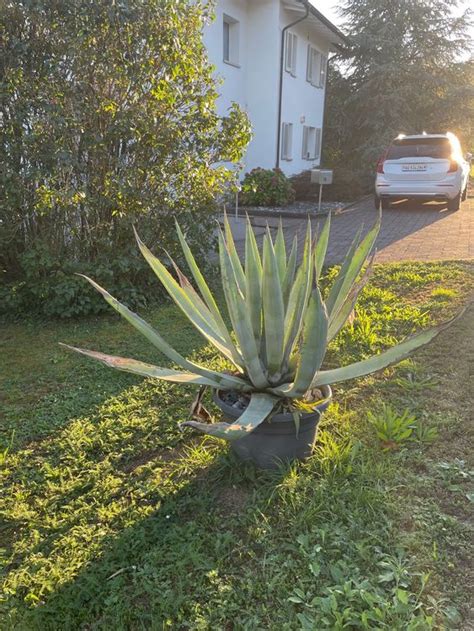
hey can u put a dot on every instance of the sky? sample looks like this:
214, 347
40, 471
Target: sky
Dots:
328, 9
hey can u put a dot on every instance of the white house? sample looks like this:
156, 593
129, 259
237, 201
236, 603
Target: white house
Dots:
272, 56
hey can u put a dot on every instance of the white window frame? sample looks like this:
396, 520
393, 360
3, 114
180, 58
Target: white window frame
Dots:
231, 33
311, 149
316, 64
287, 141
291, 52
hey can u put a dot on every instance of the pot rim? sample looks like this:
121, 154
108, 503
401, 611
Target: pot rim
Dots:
283, 417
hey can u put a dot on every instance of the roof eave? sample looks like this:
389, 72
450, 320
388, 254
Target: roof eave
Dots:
344, 40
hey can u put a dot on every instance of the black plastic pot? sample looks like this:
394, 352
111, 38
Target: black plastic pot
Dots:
275, 440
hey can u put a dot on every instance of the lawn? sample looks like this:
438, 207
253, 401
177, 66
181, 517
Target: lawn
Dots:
112, 518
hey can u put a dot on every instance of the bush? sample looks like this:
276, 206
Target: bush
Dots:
107, 120
52, 288
266, 187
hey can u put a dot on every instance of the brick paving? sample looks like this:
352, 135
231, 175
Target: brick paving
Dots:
410, 231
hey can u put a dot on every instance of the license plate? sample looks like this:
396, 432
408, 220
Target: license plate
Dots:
413, 167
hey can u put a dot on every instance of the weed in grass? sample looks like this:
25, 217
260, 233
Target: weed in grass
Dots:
392, 428
335, 456
455, 474
423, 433
410, 279
413, 382
443, 294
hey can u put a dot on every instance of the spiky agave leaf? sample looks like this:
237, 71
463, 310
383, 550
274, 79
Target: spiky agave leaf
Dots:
240, 318
321, 247
253, 282
234, 257
259, 408
378, 362
273, 309
298, 301
280, 252
208, 297
313, 345
340, 317
353, 264
180, 297
146, 370
290, 271
155, 338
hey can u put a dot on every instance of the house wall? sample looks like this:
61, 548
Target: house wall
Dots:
254, 83
302, 104
234, 86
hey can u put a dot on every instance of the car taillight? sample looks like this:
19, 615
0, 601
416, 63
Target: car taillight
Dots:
380, 162
453, 166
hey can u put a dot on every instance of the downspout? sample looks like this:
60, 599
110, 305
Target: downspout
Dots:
280, 91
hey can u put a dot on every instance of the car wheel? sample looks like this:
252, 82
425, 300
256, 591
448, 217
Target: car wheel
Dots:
385, 204
376, 202
453, 204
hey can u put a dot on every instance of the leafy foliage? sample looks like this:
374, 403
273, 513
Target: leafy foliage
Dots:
266, 187
107, 120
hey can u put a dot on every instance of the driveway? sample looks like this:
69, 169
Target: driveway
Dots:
410, 231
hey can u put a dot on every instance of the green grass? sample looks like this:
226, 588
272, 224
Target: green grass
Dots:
111, 518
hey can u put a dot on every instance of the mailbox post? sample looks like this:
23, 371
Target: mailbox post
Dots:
321, 177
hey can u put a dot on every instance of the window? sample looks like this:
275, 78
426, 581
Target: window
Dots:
316, 67
230, 31
311, 143
420, 148
286, 141
291, 47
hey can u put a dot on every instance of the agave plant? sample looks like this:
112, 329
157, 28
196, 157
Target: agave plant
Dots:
281, 326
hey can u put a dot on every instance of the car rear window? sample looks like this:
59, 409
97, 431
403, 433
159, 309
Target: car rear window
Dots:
419, 148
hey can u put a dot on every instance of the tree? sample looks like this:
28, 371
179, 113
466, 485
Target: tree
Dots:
107, 119
406, 71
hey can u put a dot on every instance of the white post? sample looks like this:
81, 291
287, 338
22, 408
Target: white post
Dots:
320, 195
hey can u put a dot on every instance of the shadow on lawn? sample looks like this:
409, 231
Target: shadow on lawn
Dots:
147, 568
43, 387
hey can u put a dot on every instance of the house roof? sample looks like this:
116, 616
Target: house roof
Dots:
324, 26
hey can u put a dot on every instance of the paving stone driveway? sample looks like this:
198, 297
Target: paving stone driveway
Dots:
410, 231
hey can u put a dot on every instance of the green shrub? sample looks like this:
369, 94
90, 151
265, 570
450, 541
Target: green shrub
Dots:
108, 120
51, 288
266, 187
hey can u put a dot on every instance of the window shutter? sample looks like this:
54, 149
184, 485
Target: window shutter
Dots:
289, 52
317, 144
283, 141
309, 64
294, 51
286, 141
322, 73
305, 143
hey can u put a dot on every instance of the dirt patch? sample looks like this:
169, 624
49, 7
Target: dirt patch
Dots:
232, 499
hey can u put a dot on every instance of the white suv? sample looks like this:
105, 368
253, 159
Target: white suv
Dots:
425, 166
